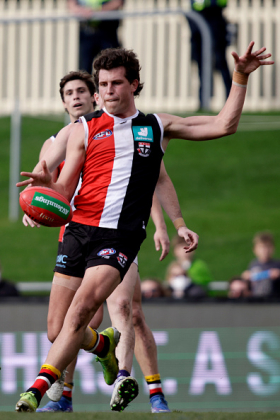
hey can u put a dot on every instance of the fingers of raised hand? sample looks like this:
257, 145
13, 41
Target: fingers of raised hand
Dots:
24, 183
250, 47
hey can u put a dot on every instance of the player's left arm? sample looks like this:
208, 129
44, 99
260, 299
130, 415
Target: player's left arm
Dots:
168, 199
69, 177
226, 122
74, 161
53, 155
161, 237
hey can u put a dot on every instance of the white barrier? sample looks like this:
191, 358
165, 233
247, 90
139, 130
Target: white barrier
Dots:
35, 55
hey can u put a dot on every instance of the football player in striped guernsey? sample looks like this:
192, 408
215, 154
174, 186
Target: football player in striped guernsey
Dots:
76, 90
119, 152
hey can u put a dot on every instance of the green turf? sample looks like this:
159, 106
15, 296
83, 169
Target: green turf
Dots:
145, 416
228, 190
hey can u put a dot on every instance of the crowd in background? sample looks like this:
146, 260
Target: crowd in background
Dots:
189, 277
95, 36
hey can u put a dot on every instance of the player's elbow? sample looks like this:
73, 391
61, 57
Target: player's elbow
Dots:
230, 131
231, 127
228, 127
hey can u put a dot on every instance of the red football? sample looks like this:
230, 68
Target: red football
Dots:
45, 206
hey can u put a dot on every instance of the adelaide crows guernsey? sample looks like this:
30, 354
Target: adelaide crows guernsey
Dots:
120, 172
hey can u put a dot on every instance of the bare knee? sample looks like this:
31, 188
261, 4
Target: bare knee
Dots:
123, 307
75, 320
79, 317
138, 318
54, 329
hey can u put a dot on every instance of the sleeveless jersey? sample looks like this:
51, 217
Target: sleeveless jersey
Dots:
120, 172
59, 168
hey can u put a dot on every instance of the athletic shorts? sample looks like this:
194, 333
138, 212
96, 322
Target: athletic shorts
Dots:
86, 246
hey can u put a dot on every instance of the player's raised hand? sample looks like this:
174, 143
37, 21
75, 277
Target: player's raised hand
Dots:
190, 237
161, 239
42, 178
250, 61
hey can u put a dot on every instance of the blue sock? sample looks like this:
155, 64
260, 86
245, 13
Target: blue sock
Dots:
123, 373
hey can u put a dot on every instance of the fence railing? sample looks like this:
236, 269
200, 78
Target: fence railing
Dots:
37, 51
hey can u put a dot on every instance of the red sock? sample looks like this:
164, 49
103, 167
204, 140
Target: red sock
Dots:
154, 384
100, 346
67, 391
46, 377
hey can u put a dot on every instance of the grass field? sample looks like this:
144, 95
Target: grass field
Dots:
145, 416
228, 190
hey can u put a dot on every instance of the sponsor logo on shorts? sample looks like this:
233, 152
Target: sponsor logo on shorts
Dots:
122, 259
106, 253
60, 260
143, 134
144, 149
103, 135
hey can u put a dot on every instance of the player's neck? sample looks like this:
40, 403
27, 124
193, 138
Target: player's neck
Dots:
123, 115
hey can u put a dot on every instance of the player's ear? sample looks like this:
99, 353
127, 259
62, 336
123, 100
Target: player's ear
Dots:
96, 97
65, 107
134, 85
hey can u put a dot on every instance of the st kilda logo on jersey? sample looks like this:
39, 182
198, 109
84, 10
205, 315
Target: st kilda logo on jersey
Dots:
144, 149
103, 135
122, 259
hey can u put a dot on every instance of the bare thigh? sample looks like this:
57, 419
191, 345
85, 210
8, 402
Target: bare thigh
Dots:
60, 299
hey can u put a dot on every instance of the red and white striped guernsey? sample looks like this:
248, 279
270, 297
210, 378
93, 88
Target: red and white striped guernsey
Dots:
120, 172
60, 166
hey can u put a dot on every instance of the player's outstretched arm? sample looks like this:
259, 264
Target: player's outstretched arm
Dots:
70, 173
52, 155
161, 237
226, 122
168, 199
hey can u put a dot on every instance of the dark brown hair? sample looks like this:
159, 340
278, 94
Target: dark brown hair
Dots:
112, 58
264, 237
77, 75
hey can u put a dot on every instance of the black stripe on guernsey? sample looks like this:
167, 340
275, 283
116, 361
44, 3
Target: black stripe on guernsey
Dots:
94, 114
144, 176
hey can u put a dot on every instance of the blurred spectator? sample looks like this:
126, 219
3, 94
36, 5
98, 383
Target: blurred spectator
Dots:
152, 288
239, 288
197, 269
95, 35
180, 284
263, 272
212, 12
7, 288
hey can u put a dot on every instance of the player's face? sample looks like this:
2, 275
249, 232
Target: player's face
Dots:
98, 100
77, 99
116, 93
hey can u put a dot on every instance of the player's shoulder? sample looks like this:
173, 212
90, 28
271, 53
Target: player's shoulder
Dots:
93, 115
146, 118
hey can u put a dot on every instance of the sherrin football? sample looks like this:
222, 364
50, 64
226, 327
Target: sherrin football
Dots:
45, 206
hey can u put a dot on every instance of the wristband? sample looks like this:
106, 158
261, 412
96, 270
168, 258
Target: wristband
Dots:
179, 223
240, 79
